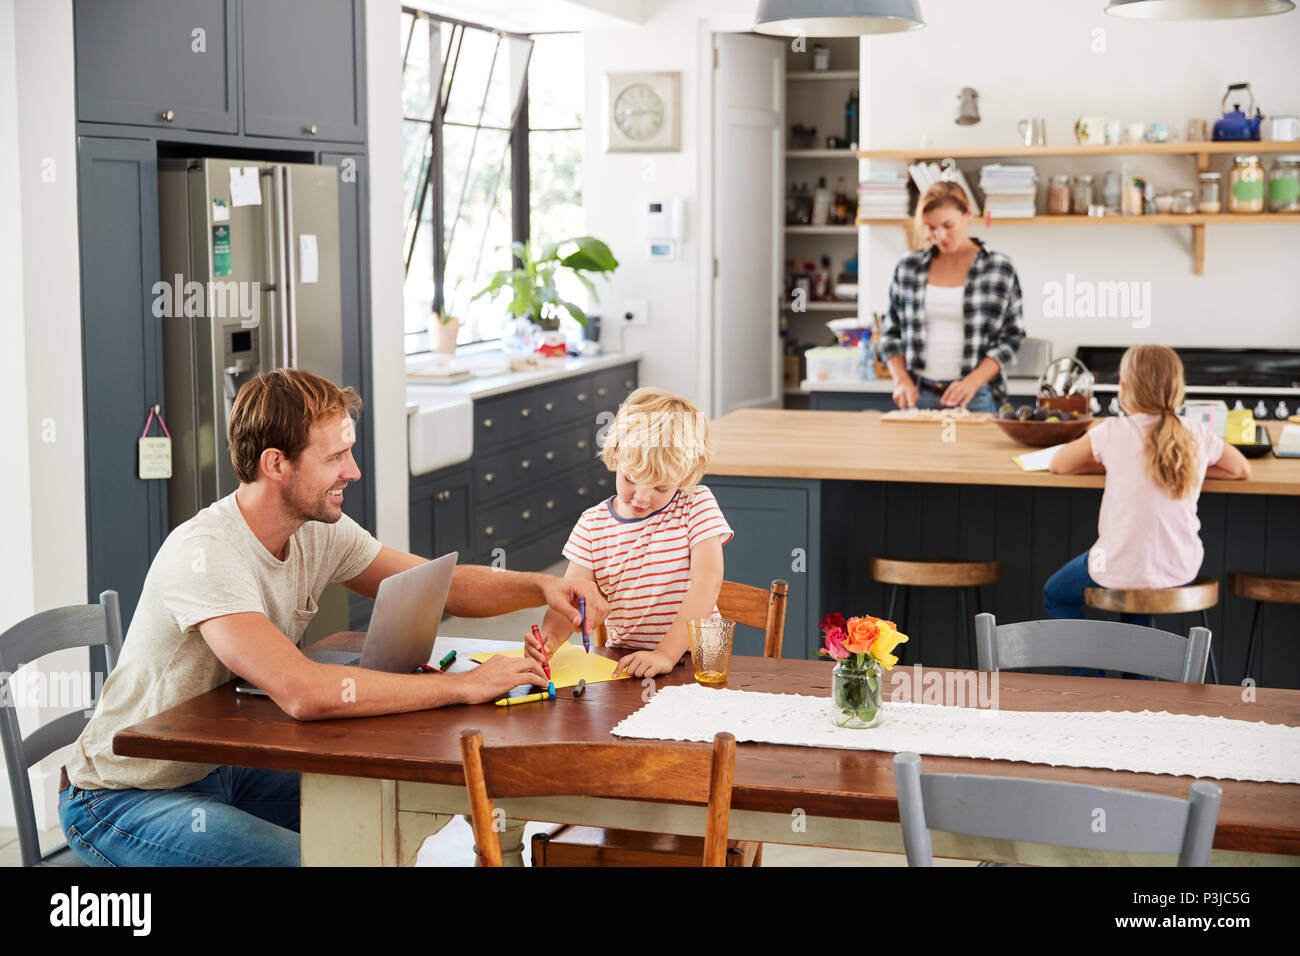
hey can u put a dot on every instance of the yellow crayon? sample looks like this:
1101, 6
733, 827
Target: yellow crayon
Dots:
548, 694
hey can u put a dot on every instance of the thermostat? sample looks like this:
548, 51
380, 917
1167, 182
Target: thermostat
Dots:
662, 249
663, 219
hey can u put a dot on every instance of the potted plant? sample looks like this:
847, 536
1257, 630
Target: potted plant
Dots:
861, 646
443, 331
533, 282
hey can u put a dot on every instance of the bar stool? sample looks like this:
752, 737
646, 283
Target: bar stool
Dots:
1262, 589
1201, 594
962, 575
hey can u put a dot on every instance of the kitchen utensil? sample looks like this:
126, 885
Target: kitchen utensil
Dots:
1133, 132
968, 111
1065, 376
1033, 132
1236, 125
1198, 131
1113, 130
1283, 128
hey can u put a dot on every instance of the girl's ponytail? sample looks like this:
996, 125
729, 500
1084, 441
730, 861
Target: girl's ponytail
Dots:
1153, 383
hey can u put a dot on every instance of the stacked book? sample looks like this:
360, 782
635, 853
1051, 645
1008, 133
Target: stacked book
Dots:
882, 195
927, 174
1009, 191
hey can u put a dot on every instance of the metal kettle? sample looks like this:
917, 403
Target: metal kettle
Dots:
1238, 125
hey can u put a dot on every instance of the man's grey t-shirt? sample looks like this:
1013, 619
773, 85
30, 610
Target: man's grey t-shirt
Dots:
209, 566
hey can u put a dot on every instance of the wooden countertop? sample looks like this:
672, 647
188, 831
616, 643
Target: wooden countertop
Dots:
858, 446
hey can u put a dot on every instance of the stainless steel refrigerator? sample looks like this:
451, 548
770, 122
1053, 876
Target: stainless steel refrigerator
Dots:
250, 282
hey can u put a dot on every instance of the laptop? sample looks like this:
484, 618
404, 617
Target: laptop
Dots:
403, 625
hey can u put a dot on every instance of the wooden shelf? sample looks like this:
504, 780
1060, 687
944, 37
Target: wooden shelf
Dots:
844, 230
831, 75
1120, 149
819, 306
821, 154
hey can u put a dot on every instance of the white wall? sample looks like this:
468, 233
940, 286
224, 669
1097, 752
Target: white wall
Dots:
1034, 59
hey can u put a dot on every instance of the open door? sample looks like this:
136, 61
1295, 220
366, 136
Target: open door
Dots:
748, 171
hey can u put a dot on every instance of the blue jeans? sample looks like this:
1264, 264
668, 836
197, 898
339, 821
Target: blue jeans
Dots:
981, 401
232, 817
1063, 598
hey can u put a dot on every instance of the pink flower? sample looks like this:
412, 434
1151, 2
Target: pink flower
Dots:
835, 643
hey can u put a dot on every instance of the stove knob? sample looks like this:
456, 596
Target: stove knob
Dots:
1261, 410
1095, 407
1238, 406
1113, 407
1280, 413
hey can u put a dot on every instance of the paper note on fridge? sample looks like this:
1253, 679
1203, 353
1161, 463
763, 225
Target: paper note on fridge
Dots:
245, 188
1039, 460
308, 262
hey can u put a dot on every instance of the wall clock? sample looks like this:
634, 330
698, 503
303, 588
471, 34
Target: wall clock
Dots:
642, 112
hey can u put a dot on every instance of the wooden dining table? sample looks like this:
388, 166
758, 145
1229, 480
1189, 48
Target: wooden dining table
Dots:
374, 788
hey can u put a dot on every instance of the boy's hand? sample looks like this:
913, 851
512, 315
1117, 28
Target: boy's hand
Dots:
533, 650
645, 664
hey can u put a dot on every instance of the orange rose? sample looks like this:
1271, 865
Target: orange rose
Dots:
860, 633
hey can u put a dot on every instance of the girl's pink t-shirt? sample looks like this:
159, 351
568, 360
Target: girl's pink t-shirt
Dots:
1145, 538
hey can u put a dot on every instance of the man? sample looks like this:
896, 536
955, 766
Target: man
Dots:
232, 590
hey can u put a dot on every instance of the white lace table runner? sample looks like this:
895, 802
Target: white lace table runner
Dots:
1143, 742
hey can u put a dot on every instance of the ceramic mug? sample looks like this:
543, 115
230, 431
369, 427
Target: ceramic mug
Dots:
1113, 130
1134, 132
1033, 132
1090, 130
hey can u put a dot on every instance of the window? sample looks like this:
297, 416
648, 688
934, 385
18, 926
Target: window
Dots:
466, 90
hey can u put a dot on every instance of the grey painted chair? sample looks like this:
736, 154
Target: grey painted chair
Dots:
1106, 645
82, 625
1051, 812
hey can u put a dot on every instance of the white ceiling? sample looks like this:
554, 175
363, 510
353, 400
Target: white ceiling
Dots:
542, 16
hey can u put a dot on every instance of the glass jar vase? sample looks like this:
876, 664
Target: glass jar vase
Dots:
1284, 184
1081, 198
855, 694
1246, 194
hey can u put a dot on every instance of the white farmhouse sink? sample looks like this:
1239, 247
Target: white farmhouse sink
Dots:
440, 431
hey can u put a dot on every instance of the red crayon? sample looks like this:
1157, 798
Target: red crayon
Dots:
546, 658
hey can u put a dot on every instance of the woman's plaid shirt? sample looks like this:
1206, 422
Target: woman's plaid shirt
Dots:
992, 307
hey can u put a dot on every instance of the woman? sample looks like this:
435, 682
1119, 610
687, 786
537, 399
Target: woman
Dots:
954, 312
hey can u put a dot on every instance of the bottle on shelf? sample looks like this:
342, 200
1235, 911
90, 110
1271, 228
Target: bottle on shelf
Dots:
851, 118
821, 205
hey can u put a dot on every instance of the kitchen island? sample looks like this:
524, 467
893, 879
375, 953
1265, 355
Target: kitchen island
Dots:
812, 496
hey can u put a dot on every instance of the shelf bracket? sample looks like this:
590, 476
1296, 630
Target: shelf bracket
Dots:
1198, 249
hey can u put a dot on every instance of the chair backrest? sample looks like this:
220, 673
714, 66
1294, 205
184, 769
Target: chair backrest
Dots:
82, 625
680, 773
754, 607
1106, 645
1052, 812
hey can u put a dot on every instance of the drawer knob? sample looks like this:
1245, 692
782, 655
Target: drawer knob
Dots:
628, 383
550, 406
602, 392
442, 496
490, 477
168, 115
312, 129
550, 456
525, 412
582, 443
526, 514
582, 396
526, 464
487, 423
582, 492
490, 530
550, 505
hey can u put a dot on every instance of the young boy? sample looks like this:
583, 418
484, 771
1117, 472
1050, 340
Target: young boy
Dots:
654, 549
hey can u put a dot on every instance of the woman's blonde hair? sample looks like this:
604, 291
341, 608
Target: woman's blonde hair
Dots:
1153, 383
942, 193
658, 439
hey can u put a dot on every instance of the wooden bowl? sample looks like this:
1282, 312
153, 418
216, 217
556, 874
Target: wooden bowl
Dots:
1043, 434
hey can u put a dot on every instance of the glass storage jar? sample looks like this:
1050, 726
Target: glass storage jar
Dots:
1284, 184
1209, 202
1184, 202
1058, 196
1246, 193
1082, 196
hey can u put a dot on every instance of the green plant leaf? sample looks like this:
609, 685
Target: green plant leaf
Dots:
578, 315
591, 255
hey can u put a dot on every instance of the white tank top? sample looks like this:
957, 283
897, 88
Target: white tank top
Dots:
945, 331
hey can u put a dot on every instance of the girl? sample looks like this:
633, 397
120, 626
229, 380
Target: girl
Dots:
1148, 534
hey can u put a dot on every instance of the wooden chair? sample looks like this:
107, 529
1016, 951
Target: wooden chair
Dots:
81, 625
682, 773
573, 845
1051, 812
1262, 589
1201, 594
902, 575
1107, 645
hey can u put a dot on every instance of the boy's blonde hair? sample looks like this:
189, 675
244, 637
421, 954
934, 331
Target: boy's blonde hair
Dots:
658, 439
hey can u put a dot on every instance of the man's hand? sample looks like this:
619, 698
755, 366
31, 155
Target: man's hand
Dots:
906, 394
499, 674
562, 596
960, 392
645, 664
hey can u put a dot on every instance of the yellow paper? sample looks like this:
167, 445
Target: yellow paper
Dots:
569, 663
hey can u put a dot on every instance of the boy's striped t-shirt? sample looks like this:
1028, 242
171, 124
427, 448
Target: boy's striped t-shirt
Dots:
643, 565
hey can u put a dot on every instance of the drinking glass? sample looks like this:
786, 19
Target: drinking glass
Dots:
711, 648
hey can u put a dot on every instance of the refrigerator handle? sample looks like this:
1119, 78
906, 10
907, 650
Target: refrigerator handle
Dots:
272, 287
284, 357
291, 269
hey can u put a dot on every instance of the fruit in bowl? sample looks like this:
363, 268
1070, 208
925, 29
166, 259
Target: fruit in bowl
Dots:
1041, 427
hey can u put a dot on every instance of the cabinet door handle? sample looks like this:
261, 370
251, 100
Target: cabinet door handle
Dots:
582, 492
582, 396
490, 477
602, 392
312, 129
487, 423
582, 443
525, 412
550, 505
490, 530
526, 464
628, 383
550, 406
526, 514
550, 456
168, 115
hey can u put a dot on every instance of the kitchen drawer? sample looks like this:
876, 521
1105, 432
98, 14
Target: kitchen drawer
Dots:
563, 402
533, 461
503, 419
602, 482
540, 509
613, 385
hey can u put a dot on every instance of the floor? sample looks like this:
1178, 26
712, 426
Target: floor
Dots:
454, 846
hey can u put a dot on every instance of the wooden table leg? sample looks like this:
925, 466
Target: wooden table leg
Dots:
354, 821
